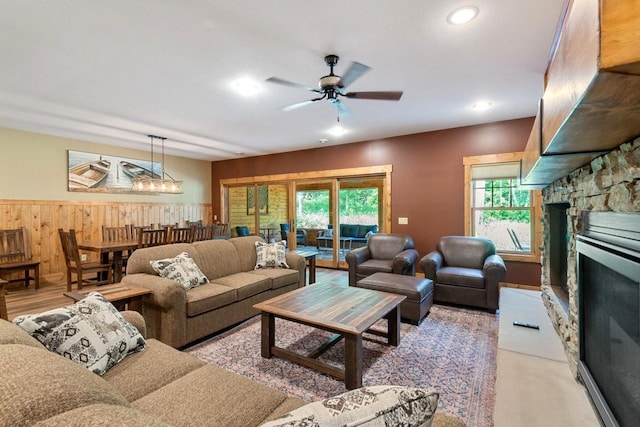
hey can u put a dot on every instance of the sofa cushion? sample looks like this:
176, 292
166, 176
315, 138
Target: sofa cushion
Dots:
245, 284
147, 371
364, 230
458, 276
349, 230
180, 268
36, 384
90, 332
211, 396
100, 415
221, 258
371, 406
138, 262
209, 297
280, 277
271, 255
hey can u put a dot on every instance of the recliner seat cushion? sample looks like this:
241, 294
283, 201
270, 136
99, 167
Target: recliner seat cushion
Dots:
371, 266
458, 276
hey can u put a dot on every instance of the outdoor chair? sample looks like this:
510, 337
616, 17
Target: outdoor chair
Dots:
301, 234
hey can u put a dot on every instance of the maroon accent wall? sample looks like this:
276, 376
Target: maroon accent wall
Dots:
427, 180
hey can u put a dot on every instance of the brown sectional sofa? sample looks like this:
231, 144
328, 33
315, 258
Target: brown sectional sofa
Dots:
178, 317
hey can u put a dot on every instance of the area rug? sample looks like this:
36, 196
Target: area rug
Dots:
453, 351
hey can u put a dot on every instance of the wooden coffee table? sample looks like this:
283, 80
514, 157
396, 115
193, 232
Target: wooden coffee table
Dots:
345, 310
117, 294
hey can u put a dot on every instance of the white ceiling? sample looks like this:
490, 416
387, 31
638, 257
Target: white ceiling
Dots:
115, 71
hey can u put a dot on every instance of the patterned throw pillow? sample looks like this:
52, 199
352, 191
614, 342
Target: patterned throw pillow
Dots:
271, 255
91, 332
182, 269
382, 405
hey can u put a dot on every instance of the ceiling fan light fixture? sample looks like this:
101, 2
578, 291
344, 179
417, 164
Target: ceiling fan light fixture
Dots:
482, 105
462, 15
246, 87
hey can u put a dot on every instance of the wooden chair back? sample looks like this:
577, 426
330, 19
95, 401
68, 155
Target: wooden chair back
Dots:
3, 302
221, 231
204, 232
152, 237
197, 223
15, 256
75, 265
180, 234
14, 246
111, 234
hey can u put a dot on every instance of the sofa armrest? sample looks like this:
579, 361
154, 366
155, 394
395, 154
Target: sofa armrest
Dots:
165, 293
136, 320
430, 264
297, 262
405, 262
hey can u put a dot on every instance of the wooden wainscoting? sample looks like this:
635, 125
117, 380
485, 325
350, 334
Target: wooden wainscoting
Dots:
42, 218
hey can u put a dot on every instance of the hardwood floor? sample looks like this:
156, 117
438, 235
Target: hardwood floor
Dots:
21, 300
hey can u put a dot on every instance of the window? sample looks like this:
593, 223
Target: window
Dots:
499, 208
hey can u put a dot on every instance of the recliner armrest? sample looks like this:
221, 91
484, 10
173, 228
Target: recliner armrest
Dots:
431, 263
404, 259
494, 268
357, 256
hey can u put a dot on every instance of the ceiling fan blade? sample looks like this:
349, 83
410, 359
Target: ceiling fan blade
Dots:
280, 81
381, 95
343, 111
300, 104
354, 72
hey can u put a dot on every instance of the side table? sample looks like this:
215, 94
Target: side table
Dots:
310, 256
121, 296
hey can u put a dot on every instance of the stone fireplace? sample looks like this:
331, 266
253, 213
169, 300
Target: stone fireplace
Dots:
609, 183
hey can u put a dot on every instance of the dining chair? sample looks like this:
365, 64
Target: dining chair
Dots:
221, 231
152, 237
180, 234
15, 256
113, 234
197, 223
205, 232
75, 265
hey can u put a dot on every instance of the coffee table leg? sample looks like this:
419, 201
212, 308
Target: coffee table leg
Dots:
268, 338
394, 327
353, 361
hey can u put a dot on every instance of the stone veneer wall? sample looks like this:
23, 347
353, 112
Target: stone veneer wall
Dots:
609, 183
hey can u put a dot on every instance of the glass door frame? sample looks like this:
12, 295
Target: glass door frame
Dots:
291, 179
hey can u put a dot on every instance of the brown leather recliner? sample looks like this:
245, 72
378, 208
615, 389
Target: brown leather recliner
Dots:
465, 270
388, 253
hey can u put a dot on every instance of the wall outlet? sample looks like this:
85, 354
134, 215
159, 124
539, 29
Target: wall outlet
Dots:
83, 257
403, 220
215, 217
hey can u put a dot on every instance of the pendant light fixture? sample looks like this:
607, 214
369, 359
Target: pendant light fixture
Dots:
152, 183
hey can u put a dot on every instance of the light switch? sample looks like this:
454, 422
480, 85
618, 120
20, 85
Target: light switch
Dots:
403, 220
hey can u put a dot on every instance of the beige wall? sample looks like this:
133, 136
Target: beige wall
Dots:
34, 167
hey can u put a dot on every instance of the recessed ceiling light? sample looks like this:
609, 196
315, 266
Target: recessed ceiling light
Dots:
462, 15
482, 105
323, 140
338, 131
246, 86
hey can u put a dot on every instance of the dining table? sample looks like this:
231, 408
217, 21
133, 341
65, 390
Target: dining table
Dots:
114, 247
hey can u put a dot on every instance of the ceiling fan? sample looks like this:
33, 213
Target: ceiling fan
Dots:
332, 86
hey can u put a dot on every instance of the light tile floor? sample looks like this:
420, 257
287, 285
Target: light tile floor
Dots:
534, 385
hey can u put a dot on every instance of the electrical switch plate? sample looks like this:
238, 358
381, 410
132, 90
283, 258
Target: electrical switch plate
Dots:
83, 257
403, 220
